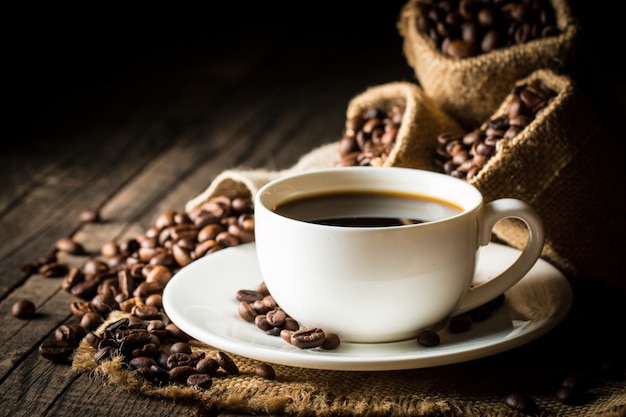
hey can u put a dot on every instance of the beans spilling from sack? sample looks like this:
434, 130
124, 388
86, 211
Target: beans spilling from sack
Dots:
464, 156
369, 137
466, 28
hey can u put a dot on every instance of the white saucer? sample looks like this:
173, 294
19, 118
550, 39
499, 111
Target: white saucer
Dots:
200, 299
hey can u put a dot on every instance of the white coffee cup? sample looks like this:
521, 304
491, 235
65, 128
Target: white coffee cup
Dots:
377, 284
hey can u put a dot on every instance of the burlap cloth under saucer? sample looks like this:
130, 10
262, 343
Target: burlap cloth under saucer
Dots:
476, 388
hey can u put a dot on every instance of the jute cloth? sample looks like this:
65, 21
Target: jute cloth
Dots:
476, 388
470, 89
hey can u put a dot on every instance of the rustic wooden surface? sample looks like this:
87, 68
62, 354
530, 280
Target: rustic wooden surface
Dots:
134, 116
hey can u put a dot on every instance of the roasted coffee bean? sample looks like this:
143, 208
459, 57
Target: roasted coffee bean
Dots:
331, 341
181, 373
146, 312
428, 338
24, 309
273, 331
247, 312
71, 333
265, 371
89, 216
203, 381
56, 350
207, 366
180, 347
260, 307
53, 270
147, 350
74, 276
142, 362
290, 324
308, 337
261, 322
70, 246
286, 334
248, 296
460, 324
226, 363
276, 317
176, 333
129, 340
180, 359
480, 313
91, 320
521, 402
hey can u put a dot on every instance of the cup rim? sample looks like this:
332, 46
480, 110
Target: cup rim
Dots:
287, 188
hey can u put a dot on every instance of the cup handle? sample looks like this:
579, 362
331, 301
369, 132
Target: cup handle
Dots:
489, 215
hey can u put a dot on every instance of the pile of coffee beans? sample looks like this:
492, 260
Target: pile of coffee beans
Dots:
130, 276
138, 342
466, 28
463, 156
369, 137
259, 307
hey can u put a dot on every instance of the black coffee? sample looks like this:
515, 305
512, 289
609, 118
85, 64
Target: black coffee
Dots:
367, 209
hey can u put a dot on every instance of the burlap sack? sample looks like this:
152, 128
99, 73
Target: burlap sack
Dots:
469, 89
561, 165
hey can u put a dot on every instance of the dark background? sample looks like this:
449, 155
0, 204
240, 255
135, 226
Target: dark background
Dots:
52, 52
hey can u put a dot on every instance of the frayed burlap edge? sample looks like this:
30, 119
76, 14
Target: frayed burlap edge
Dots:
422, 120
470, 89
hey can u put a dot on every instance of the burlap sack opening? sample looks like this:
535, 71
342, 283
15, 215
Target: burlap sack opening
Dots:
560, 166
422, 120
469, 89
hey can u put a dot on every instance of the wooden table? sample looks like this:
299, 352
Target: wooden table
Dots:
137, 117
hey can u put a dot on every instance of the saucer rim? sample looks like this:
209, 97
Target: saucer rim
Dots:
350, 356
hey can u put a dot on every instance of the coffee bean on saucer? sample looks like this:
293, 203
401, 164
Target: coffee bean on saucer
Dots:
428, 338
331, 341
249, 296
460, 324
308, 337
